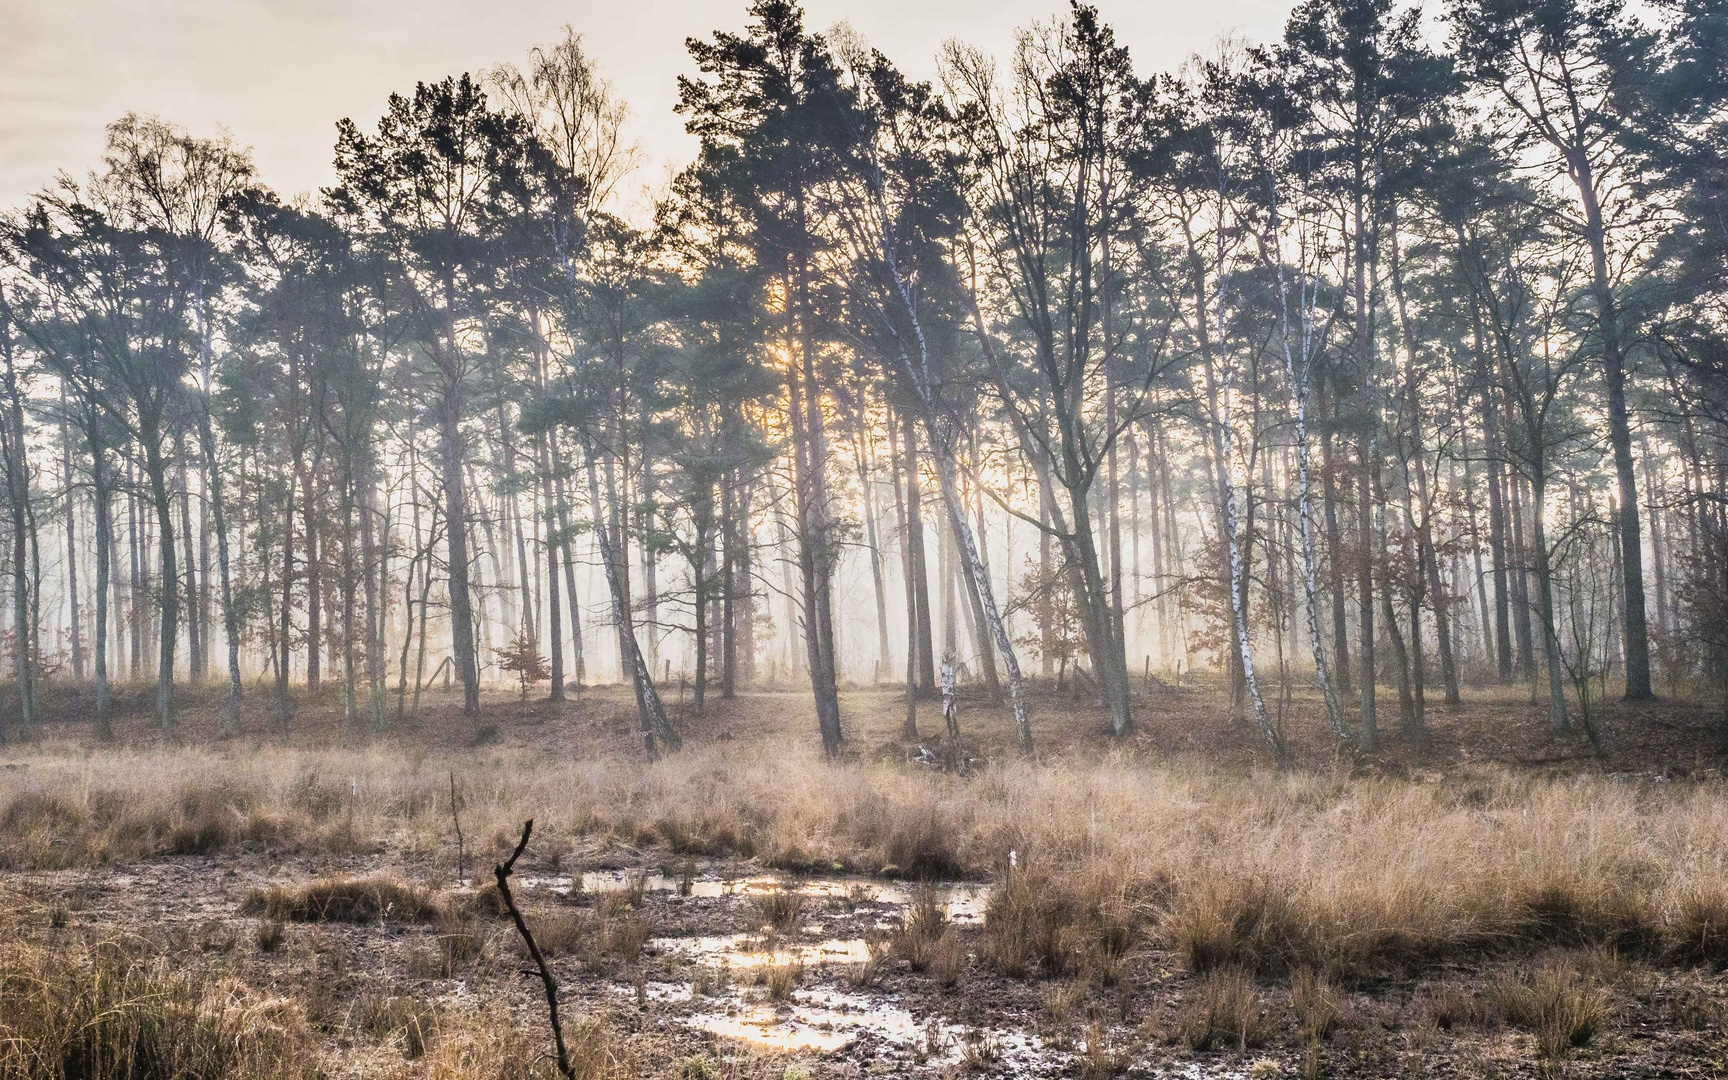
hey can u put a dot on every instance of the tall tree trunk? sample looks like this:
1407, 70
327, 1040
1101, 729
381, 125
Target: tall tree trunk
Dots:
156, 472
729, 608
810, 510
1238, 602
923, 636
75, 616
908, 578
649, 709
104, 576
194, 628
1558, 718
350, 678
456, 536
1637, 641
566, 543
1335, 563
865, 486
983, 594
555, 617
285, 650
18, 484
1370, 728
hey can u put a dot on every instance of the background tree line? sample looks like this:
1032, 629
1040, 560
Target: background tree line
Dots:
1385, 358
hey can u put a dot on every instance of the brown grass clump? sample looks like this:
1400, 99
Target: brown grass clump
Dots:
781, 978
948, 960
408, 1023
1077, 922
1559, 1004
110, 1009
1697, 930
778, 908
270, 935
601, 939
344, 900
1222, 1010
1317, 1002
491, 1045
1450, 1005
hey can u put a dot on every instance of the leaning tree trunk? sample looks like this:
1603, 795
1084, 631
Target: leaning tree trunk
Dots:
649, 709
984, 594
1304, 509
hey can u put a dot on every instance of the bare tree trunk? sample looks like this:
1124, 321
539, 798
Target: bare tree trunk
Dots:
909, 729
75, 616
1558, 718
284, 654
195, 653
1304, 514
555, 618
104, 577
156, 471
1263, 720
566, 543
649, 710
1365, 596
18, 485
865, 486
350, 678
922, 635
456, 536
729, 607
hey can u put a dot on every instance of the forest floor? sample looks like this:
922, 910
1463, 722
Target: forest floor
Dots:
1502, 902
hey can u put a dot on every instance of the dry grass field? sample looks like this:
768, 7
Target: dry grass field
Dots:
1502, 904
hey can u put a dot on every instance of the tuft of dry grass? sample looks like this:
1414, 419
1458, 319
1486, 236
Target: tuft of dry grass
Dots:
345, 900
1223, 1009
1557, 1002
781, 978
778, 908
408, 1023
948, 960
114, 1009
491, 1046
1697, 929
1079, 922
270, 935
1317, 1002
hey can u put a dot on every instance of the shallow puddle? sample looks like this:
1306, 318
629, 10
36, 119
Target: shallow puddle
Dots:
829, 1020
749, 951
962, 902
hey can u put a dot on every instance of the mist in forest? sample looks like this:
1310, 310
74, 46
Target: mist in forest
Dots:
1384, 351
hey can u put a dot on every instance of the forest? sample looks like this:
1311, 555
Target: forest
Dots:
1355, 401
1349, 360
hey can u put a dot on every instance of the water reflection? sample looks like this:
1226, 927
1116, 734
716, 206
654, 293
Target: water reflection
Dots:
963, 902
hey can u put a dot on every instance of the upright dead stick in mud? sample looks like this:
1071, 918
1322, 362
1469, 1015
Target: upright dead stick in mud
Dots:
502, 872
457, 819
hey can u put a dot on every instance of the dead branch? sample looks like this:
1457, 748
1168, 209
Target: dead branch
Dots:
502, 872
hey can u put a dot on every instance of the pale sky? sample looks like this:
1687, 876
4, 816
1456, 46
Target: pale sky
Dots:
278, 74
